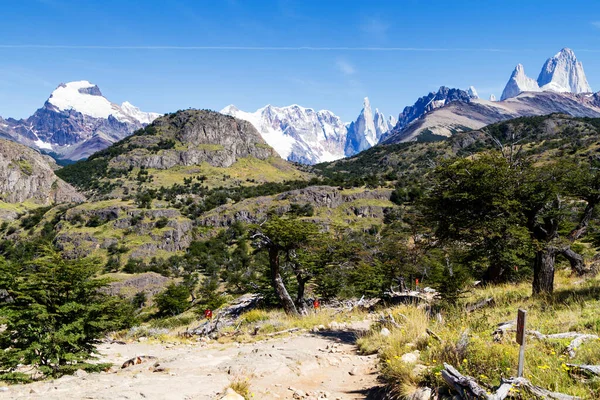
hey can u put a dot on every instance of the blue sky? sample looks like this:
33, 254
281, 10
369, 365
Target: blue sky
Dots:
163, 56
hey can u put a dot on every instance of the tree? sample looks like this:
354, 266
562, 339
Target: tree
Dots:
282, 238
54, 312
505, 210
473, 205
173, 300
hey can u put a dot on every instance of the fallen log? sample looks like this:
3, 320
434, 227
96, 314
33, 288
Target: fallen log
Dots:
468, 388
578, 338
480, 304
587, 370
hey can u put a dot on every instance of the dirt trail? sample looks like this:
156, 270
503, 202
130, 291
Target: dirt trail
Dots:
326, 361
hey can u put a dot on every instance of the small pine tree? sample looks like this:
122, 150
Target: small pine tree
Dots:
54, 313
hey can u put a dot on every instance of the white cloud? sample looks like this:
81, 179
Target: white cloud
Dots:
345, 67
596, 24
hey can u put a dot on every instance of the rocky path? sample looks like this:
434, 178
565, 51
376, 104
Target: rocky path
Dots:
322, 365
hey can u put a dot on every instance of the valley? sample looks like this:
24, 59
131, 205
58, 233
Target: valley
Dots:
287, 254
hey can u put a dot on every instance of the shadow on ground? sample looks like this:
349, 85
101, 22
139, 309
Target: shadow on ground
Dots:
347, 336
374, 393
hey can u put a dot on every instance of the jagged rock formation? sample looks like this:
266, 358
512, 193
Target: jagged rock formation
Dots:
307, 136
367, 130
191, 137
76, 121
493, 97
472, 92
427, 104
298, 134
561, 73
26, 175
462, 116
518, 83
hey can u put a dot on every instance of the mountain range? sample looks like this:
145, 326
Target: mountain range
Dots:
307, 136
560, 88
77, 120
561, 73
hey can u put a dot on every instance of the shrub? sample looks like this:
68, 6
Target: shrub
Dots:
161, 222
173, 300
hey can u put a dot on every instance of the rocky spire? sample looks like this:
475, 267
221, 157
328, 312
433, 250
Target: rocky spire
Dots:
519, 82
563, 73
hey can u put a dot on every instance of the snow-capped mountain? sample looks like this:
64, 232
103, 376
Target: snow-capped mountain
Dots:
561, 87
562, 73
308, 136
432, 101
76, 121
519, 82
472, 92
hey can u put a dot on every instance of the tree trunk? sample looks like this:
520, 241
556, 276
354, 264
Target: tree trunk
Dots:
581, 228
284, 297
576, 261
300, 303
543, 271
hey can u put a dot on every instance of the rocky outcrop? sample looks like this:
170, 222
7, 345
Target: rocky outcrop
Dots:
350, 204
519, 82
26, 175
91, 227
199, 136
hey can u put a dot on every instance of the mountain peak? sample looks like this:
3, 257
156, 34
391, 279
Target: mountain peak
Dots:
472, 92
519, 82
366, 103
86, 98
565, 52
563, 73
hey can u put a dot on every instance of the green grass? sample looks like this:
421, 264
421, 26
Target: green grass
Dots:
575, 306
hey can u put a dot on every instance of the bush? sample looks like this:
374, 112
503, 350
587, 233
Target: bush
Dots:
173, 300
161, 222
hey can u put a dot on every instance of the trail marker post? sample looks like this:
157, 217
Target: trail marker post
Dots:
521, 319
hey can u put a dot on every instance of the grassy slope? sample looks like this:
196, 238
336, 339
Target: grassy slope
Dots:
574, 307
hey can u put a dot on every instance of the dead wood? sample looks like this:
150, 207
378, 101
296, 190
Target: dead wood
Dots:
480, 304
468, 388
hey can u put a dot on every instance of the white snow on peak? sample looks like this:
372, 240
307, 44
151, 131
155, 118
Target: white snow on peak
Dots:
392, 121
304, 135
563, 73
472, 92
365, 127
85, 98
382, 125
493, 97
519, 82
262, 119
137, 114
